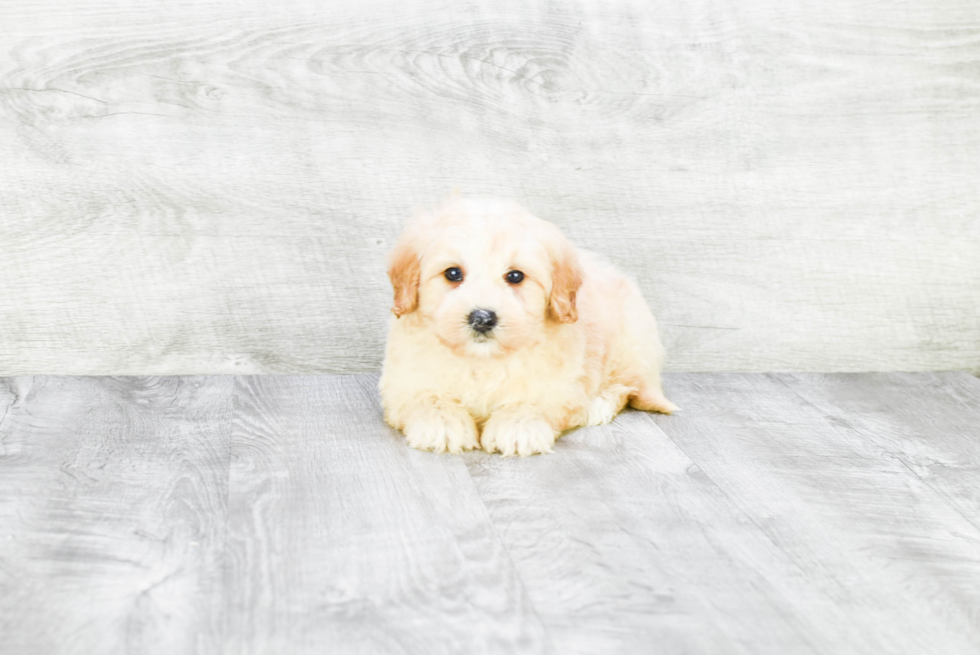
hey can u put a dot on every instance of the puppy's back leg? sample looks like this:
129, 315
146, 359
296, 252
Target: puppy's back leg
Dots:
650, 398
644, 356
607, 404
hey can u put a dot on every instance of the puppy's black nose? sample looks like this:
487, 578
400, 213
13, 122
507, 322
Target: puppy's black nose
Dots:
482, 320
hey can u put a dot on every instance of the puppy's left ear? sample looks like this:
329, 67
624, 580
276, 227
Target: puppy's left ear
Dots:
566, 278
404, 271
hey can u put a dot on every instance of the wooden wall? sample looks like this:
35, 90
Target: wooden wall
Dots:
211, 186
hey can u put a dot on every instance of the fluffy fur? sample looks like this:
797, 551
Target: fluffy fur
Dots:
574, 344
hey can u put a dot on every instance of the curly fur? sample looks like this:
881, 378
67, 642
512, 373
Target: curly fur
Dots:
575, 341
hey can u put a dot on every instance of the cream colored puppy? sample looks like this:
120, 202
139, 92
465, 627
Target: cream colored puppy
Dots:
505, 334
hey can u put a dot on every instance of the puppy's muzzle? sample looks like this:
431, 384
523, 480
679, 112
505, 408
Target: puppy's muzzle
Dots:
482, 320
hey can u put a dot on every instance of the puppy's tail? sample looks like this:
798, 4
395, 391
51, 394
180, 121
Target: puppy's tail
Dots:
652, 400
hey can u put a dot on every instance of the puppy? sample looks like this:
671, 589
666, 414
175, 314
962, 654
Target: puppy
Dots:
505, 334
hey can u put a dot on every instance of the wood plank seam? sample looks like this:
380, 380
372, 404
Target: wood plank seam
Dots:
871, 437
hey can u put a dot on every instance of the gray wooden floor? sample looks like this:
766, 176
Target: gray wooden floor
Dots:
776, 514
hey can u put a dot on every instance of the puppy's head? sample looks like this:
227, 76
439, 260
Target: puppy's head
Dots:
485, 276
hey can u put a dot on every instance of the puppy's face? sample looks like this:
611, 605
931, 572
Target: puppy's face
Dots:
485, 294
485, 276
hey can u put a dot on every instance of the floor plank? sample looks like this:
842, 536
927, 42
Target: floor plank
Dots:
929, 422
783, 513
112, 514
865, 529
344, 540
625, 546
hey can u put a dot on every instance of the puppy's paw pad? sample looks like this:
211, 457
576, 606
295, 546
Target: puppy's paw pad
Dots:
526, 436
442, 434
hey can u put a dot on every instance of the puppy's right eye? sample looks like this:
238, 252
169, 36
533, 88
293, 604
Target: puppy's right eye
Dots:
454, 274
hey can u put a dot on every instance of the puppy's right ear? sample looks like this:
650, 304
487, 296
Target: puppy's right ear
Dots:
566, 278
404, 272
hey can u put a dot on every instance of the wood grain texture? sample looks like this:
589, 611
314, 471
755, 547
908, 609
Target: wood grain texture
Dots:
626, 546
212, 187
344, 540
810, 514
930, 423
862, 527
113, 513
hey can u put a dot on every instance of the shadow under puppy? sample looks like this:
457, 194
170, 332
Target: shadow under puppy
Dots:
505, 334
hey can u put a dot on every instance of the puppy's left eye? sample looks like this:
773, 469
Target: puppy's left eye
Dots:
514, 277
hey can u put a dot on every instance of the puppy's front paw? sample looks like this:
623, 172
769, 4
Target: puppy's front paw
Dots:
440, 432
517, 435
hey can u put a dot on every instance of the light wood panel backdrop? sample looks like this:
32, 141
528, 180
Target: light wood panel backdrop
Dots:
211, 186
